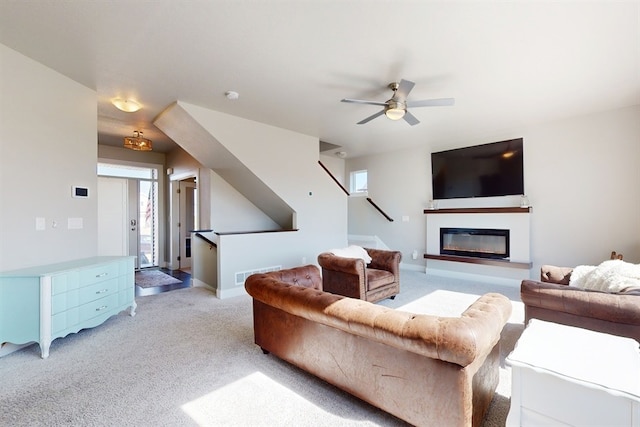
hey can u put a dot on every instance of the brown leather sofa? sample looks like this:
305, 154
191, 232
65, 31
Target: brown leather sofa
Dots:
551, 299
426, 370
353, 278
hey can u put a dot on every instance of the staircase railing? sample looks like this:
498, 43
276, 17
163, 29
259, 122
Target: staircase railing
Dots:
379, 210
334, 178
204, 260
205, 238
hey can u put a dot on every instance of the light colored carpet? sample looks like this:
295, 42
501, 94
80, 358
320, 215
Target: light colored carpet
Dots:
188, 359
151, 278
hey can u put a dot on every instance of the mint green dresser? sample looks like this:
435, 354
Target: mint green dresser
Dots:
40, 304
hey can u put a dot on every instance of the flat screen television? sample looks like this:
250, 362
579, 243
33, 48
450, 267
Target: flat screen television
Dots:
486, 170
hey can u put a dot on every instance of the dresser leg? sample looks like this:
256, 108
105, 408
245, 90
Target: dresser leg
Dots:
44, 349
132, 309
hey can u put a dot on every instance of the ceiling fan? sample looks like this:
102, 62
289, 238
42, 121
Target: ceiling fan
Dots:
396, 107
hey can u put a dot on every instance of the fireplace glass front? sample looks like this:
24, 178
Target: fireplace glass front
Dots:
475, 242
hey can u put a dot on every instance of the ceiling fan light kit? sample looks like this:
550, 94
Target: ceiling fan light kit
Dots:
395, 110
396, 107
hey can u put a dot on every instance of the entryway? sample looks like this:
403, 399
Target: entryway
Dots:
128, 214
152, 287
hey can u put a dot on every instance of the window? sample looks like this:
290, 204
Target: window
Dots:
358, 181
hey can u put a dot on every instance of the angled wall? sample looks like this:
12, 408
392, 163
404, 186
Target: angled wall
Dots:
202, 145
260, 160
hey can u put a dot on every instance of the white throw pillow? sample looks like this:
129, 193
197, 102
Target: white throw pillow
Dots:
352, 251
610, 276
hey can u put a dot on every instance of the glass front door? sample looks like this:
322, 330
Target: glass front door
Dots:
147, 224
141, 211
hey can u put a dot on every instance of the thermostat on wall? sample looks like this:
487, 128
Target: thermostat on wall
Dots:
82, 192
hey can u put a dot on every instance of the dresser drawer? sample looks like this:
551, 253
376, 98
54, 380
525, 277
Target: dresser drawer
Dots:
78, 315
89, 276
77, 297
65, 282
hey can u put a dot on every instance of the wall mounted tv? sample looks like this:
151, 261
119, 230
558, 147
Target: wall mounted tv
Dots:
487, 170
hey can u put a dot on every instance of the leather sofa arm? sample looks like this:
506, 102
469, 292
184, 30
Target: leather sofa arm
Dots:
553, 274
385, 260
333, 262
460, 340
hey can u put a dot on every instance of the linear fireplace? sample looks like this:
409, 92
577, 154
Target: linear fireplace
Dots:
475, 242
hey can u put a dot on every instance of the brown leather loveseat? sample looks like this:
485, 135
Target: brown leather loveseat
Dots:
426, 370
553, 300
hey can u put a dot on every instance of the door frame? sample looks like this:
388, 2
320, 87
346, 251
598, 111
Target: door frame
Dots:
174, 214
187, 218
160, 173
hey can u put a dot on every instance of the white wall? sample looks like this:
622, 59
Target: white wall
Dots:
581, 178
336, 167
287, 162
48, 132
231, 211
399, 183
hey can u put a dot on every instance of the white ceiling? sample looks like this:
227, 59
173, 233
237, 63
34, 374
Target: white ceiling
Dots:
507, 64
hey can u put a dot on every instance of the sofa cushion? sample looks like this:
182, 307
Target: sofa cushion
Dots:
378, 278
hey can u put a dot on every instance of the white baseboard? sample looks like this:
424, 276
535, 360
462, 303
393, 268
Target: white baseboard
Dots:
412, 267
230, 293
220, 293
197, 283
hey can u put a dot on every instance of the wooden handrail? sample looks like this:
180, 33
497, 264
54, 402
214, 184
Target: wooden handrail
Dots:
206, 239
379, 210
228, 233
334, 178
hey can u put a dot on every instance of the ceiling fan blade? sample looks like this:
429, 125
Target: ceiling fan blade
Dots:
360, 101
404, 88
441, 102
373, 116
410, 118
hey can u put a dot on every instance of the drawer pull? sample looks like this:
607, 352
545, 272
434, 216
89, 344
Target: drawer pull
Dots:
101, 308
101, 274
102, 291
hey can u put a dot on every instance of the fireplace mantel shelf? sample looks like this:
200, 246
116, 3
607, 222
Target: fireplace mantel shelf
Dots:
483, 261
515, 209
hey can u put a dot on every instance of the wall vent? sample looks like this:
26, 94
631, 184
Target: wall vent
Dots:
241, 276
